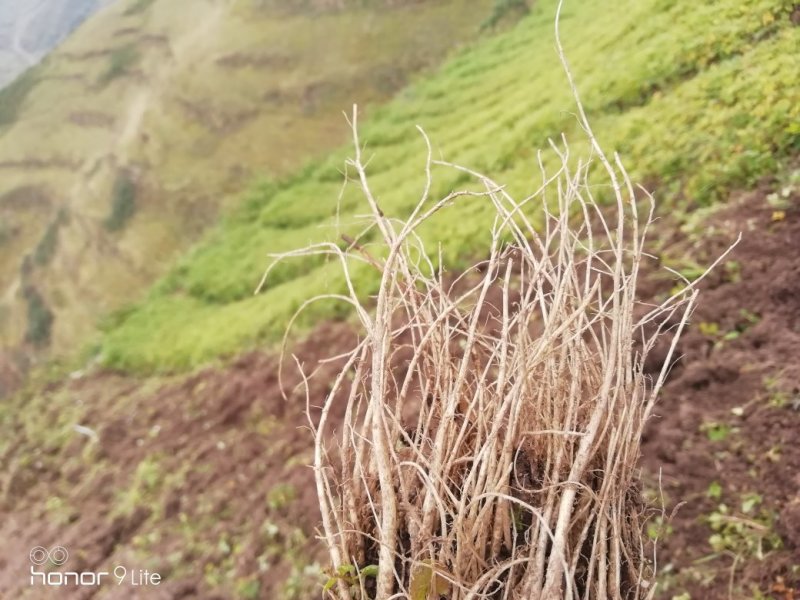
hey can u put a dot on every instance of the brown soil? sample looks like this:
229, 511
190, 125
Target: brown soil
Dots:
739, 372
204, 478
232, 496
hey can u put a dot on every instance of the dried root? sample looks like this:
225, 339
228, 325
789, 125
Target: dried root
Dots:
493, 423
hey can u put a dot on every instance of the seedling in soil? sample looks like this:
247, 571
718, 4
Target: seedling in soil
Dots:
733, 271
659, 528
687, 269
777, 397
280, 496
350, 576
709, 329
742, 535
249, 589
717, 432
714, 491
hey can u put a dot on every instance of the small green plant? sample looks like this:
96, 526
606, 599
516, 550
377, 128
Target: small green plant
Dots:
503, 9
281, 496
717, 432
123, 202
146, 481
249, 589
688, 269
714, 331
776, 396
750, 502
748, 534
709, 329
57, 510
350, 576
659, 528
714, 490
119, 63
733, 271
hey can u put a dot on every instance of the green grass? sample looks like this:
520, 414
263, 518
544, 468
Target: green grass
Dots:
137, 6
120, 62
123, 202
40, 318
201, 107
46, 247
14, 95
700, 98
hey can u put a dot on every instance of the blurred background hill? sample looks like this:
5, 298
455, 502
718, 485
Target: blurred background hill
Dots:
136, 134
29, 30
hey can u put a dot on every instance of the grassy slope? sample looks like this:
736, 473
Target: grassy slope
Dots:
702, 98
193, 110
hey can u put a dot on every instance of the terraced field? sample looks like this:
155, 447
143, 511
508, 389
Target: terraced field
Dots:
130, 140
702, 99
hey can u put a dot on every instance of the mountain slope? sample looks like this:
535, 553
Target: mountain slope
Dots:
29, 30
131, 139
201, 476
702, 98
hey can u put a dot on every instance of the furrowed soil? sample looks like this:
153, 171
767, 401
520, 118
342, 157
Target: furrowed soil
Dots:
728, 421
205, 479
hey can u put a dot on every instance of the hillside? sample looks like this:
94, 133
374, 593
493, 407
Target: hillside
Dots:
706, 103
29, 30
132, 138
168, 445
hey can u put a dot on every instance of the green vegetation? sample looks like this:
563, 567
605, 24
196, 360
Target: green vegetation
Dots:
123, 202
13, 96
145, 483
280, 496
746, 534
137, 6
777, 396
40, 318
717, 432
120, 63
502, 9
46, 247
701, 98
208, 104
352, 577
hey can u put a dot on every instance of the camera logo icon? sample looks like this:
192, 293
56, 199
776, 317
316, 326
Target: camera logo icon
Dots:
57, 555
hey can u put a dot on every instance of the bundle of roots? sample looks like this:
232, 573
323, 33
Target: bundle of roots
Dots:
492, 422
